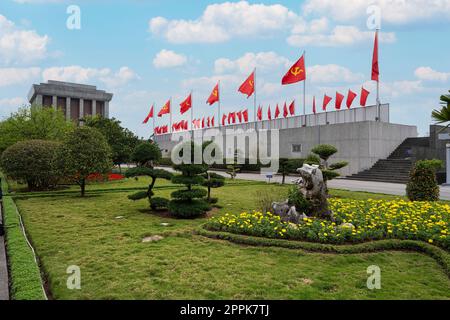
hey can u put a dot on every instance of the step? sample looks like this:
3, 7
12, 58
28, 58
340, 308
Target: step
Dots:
399, 181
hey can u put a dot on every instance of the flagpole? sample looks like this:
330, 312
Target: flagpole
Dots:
192, 109
378, 82
254, 98
153, 118
304, 89
220, 95
170, 109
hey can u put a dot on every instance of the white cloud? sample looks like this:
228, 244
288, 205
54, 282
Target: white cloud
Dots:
12, 76
429, 74
169, 59
20, 46
340, 36
38, 1
86, 75
392, 11
9, 105
332, 73
263, 61
221, 22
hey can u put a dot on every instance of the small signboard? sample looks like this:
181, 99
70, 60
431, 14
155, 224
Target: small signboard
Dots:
269, 176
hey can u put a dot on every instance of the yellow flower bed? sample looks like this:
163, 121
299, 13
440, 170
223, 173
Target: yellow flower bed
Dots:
356, 221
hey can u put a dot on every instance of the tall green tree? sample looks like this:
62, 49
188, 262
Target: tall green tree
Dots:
121, 140
33, 123
84, 151
443, 115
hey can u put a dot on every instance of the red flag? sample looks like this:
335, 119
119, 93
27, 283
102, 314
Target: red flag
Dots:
212, 121
165, 109
186, 104
277, 112
269, 114
339, 99
259, 114
239, 115
203, 122
233, 117
285, 111
292, 108
156, 130
364, 96
326, 101
296, 73
314, 105
224, 117
375, 68
350, 97
149, 116
248, 87
245, 115
208, 122
215, 96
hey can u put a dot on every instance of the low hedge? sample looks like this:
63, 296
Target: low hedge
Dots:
441, 256
26, 282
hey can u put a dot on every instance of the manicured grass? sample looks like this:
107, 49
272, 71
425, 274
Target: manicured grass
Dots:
115, 264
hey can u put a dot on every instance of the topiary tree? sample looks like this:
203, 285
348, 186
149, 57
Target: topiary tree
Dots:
189, 202
32, 162
84, 151
146, 155
325, 152
213, 181
285, 167
422, 185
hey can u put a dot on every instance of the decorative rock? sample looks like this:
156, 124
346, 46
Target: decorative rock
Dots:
313, 188
286, 212
152, 239
165, 224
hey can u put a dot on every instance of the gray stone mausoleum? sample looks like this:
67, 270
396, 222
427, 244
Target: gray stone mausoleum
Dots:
74, 100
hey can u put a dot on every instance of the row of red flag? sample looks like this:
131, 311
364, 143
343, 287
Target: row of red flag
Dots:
296, 73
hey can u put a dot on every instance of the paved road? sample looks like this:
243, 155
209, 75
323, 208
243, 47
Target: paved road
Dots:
351, 185
4, 290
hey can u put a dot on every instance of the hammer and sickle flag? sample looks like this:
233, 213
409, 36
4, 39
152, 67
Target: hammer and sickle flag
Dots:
186, 104
164, 110
248, 87
215, 96
296, 73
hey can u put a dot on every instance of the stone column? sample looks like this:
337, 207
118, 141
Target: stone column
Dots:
38, 100
106, 115
81, 115
94, 108
68, 102
55, 102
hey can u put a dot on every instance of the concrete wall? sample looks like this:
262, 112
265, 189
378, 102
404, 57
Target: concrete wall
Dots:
361, 143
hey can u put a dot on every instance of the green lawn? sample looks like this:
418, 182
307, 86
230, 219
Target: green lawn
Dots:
115, 264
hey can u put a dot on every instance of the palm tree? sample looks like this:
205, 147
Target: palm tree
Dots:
443, 115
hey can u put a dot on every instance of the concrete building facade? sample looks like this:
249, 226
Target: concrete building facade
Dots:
361, 139
75, 100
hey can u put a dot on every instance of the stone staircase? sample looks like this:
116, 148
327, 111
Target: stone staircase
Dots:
394, 169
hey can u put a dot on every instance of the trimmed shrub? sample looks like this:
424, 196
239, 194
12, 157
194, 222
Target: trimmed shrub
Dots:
32, 162
213, 181
189, 202
157, 203
422, 185
297, 199
325, 152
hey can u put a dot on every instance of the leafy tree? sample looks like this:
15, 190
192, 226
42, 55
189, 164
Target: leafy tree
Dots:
325, 151
146, 155
33, 123
423, 185
32, 162
121, 140
189, 202
285, 168
84, 151
443, 115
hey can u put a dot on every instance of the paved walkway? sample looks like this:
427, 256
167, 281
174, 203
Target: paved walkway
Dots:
351, 185
4, 290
